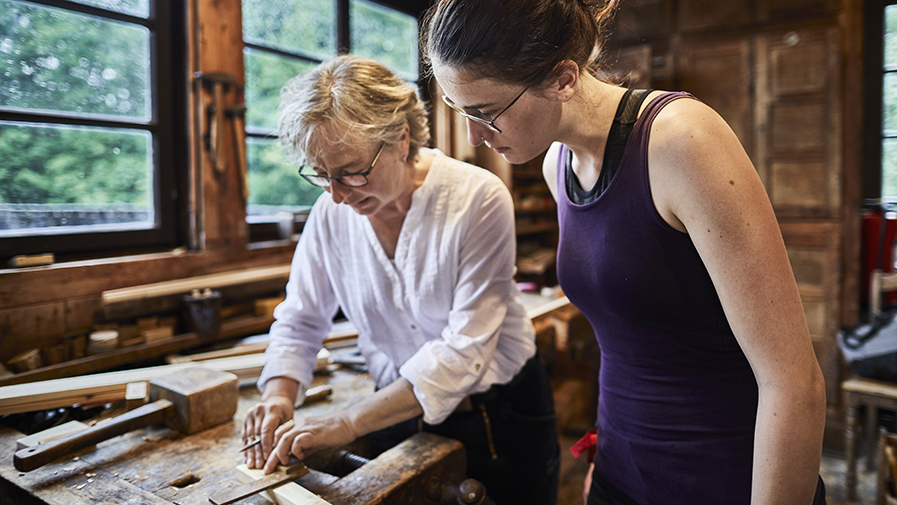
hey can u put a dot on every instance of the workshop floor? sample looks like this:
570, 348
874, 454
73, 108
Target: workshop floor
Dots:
833, 467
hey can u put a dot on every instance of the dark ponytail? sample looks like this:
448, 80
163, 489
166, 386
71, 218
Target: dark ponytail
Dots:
519, 41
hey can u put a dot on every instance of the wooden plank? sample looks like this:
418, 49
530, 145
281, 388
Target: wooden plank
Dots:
183, 286
287, 494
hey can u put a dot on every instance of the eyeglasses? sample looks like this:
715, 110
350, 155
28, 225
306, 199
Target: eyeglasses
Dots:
355, 180
490, 123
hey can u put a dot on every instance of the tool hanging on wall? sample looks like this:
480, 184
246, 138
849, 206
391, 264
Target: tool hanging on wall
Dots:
219, 83
237, 114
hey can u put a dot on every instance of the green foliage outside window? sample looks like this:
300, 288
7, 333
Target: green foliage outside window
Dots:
55, 165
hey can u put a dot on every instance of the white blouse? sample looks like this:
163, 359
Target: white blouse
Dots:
445, 314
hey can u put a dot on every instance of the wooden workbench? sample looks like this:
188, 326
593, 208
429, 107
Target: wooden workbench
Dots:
156, 465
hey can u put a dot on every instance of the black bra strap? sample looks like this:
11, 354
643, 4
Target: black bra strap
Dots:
624, 121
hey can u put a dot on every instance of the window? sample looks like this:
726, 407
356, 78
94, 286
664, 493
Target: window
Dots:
880, 147
283, 39
87, 124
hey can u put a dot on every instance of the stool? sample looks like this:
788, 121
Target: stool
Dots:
874, 395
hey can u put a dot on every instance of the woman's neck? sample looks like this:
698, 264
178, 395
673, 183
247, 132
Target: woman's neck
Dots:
585, 125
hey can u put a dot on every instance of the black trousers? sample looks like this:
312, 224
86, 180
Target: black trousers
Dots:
509, 435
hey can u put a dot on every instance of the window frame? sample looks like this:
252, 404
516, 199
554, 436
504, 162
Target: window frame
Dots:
167, 22
873, 99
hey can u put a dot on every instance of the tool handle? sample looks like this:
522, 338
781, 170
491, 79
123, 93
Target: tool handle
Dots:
35, 457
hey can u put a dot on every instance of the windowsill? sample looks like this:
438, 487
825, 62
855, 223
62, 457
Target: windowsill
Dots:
173, 253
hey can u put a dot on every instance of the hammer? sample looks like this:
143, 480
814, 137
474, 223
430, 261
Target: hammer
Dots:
188, 400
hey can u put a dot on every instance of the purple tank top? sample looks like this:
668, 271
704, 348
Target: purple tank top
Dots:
678, 399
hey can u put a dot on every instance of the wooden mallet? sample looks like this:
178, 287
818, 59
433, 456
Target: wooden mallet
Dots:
189, 400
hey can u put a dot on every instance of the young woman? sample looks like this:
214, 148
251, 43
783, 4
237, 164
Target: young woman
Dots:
418, 251
710, 392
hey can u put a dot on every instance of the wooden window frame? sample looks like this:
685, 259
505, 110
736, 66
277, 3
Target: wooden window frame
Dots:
168, 48
873, 58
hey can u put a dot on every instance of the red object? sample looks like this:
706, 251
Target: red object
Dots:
589, 442
872, 247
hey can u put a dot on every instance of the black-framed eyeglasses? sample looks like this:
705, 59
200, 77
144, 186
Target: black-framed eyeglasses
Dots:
356, 180
489, 123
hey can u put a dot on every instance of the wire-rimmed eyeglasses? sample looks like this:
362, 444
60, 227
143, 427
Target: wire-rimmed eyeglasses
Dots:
489, 123
355, 180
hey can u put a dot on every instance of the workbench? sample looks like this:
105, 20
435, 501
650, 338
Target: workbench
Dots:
157, 465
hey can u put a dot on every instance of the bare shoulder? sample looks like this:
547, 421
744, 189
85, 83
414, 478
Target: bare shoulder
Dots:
695, 159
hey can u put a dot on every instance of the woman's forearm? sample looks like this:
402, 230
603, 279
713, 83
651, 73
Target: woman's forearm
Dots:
393, 404
788, 443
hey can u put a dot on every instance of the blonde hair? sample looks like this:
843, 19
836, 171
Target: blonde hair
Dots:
349, 101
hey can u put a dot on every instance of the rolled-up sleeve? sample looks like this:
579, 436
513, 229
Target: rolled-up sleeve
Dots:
303, 319
445, 370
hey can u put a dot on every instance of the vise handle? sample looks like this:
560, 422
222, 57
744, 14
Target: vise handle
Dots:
37, 456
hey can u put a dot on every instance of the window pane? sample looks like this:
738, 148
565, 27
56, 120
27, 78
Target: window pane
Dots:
889, 168
55, 177
275, 185
266, 73
56, 60
386, 35
307, 27
891, 35
889, 102
138, 8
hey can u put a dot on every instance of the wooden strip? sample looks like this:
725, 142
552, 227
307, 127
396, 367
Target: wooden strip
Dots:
213, 281
287, 494
281, 475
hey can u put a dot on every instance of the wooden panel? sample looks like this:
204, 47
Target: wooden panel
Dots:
704, 14
719, 74
798, 126
799, 187
798, 9
814, 250
799, 64
632, 67
643, 18
798, 113
80, 313
39, 324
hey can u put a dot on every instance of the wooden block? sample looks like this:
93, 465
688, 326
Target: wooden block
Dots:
287, 494
31, 260
159, 334
50, 434
28, 360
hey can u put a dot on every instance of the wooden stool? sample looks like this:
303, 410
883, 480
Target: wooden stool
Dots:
873, 395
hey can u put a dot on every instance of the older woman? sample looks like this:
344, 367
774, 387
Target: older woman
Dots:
418, 251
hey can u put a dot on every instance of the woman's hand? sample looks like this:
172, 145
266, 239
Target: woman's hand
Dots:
307, 435
261, 422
